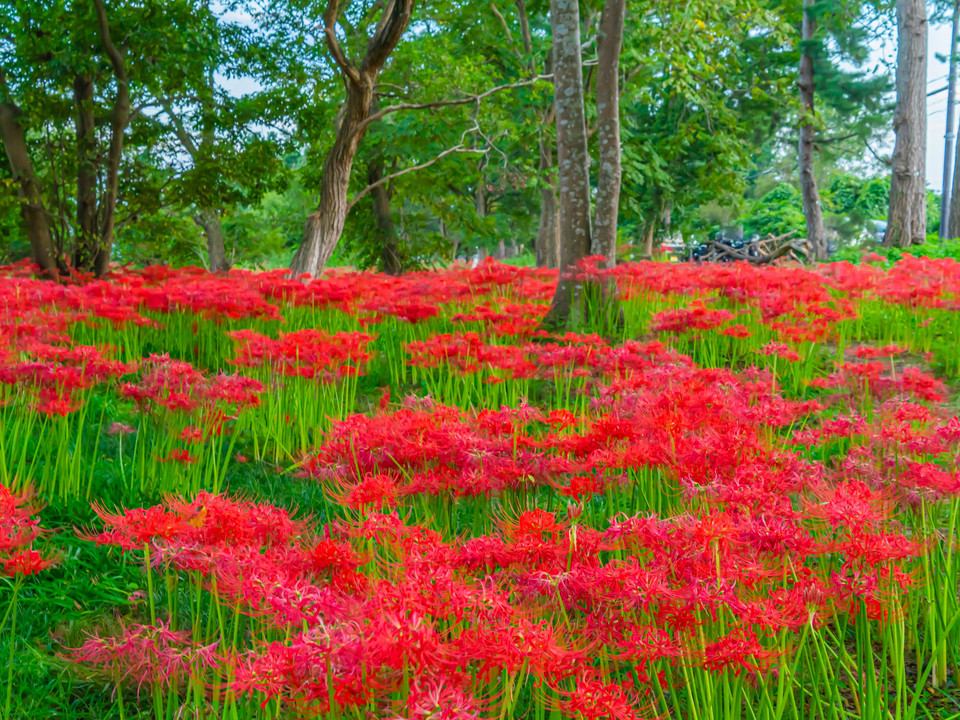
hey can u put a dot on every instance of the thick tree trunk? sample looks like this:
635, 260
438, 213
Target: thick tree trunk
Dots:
119, 118
28, 190
949, 137
610, 41
390, 262
209, 221
573, 176
907, 218
812, 211
88, 229
325, 226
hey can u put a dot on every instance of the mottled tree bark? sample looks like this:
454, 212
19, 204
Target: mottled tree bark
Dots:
573, 177
812, 211
325, 226
608, 131
907, 218
28, 190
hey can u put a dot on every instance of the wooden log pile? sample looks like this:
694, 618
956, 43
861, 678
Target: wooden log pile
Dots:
762, 252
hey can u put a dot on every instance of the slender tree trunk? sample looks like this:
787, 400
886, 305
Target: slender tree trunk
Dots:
88, 229
649, 231
479, 192
209, 221
546, 247
949, 137
907, 218
120, 117
953, 223
390, 262
548, 233
812, 211
28, 191
573, 175
609, 41
325, 226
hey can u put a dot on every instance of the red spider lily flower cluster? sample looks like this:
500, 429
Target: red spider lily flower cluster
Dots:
54, 377
760, 472
18, 530
306, 353
178, 386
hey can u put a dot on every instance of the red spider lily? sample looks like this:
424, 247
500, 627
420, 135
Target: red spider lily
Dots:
592, 698
739, 651
306, 353
179, 387
18, 530
148, 654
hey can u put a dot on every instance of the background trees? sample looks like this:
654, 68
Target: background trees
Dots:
401, 134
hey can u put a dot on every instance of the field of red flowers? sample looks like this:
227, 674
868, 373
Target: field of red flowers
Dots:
734, 496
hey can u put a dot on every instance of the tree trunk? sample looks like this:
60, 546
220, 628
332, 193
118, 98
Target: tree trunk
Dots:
88, 229
119, 118
573, 169
812, 211
548, 238
953, 224
649, 231
325, 226
949, 137
209, 220
609, 41
28, 191
386, 231
546, 247
907, 218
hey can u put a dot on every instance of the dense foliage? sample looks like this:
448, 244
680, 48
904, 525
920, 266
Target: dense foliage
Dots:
234, 106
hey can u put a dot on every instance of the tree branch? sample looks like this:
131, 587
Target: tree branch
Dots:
330, 35
185, 139
446, 103
116, 59
396, 17
460, 147
525, 30
503, 21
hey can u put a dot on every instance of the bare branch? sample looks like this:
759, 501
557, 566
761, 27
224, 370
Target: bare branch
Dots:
470, 99
460, 147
